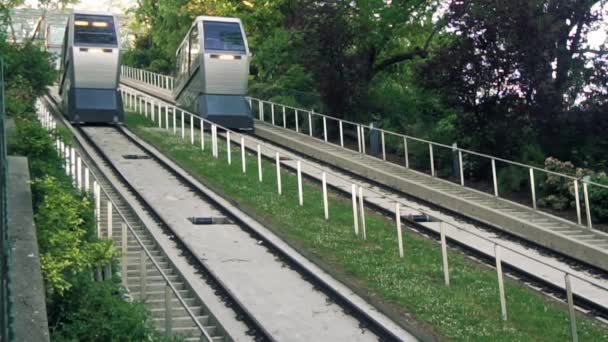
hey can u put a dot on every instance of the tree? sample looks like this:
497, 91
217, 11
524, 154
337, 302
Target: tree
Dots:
518, 69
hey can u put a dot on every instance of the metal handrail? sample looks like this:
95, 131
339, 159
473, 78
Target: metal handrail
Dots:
146, 251
370, 190
143, 75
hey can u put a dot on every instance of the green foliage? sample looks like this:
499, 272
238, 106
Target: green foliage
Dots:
517, 178
598, 197
66, 234
99, 311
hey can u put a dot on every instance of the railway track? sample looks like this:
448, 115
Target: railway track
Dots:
591, 303
344, 315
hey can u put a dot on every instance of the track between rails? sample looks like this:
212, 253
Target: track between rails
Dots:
367, 322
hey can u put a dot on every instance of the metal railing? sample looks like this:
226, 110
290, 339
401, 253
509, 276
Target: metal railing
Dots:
86, 180
180, 123
6, 303
358, 137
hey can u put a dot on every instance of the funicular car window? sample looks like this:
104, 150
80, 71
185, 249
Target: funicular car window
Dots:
223, 36
94, 29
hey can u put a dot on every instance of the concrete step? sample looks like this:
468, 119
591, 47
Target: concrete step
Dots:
185, 322
159, 295
177, 311
154, 303
154, 286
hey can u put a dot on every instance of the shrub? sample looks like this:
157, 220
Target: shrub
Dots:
598, 197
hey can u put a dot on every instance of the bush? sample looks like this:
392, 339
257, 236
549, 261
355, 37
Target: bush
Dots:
97, 311
598, 197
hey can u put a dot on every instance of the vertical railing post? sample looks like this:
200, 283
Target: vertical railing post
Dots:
174, 112
261, 110
243, 164
362, 212
325, 204
259, 162
587, 205
191, 129
405, 151
228, 152
501, 287
272, 112
578, 202
533, 188
109, 231
432, 160
86, 179
202, 125
278, 164
398, 223
341, 134
284, 118
461, 167
310, 124
359, 138
297, 122
444, 254
300, 192
383, 146
124, 254
571, 311
325, 128
494, 179
182, 117
355, 215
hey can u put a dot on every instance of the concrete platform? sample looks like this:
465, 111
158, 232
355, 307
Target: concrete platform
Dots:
28, 291
289, 307
547, 268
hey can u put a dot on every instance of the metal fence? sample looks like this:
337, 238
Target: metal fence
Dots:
470, 169
180, 122
86, 180
6, 318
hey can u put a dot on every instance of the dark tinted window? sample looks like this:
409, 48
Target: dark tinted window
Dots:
223, 36
94, 29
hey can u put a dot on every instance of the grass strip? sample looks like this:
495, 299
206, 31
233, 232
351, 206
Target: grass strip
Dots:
467, 310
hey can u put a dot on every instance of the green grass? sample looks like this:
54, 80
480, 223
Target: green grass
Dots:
467, 310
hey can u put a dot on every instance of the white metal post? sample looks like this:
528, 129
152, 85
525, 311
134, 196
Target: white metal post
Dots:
79, 172
341, 134
86, 179
571, 311
325, 204
444, 254
97, 195
272, 112
284, 118
261, 110
501, 287
310, 124
399, 233
202, 125
578, 202
259, 162
300, 192
355, 215
494, 179
432, 161
297, 122
160, 117
587, 206
73, 162
183, 133
363, 139
461, 168
362, 212
405, 151
325, 128
228, 152
109, 220
383, 145
191, 129
533, 188
278, 164
123, 254
174, 112
142, 274
359, 137
244, 166
167, 118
